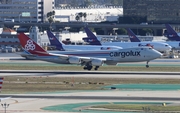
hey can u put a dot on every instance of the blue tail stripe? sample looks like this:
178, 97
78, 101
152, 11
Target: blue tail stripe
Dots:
54, 41
132, 36
92, 39
171, 33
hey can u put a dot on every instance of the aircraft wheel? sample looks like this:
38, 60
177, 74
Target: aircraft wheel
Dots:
89, 68
96, 68
85, 68
147, 66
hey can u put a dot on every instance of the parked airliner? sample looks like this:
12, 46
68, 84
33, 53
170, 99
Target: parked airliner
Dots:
88, 59
160, 46
172, 35
62, 47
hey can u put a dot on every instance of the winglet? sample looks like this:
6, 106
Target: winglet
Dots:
132, 36
54, 41
29, 45
92, 39
171, 33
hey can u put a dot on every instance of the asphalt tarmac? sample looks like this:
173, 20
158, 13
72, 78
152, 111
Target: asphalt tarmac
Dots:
37, 103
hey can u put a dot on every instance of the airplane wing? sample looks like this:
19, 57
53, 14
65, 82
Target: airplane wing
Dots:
80, 57
75, 59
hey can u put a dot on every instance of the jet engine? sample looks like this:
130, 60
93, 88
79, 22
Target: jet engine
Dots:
74, 60
96, 62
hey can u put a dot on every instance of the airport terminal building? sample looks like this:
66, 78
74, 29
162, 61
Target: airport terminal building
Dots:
25, 10
156, 11
93, 13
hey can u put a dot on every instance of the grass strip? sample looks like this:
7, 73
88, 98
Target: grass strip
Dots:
139, 107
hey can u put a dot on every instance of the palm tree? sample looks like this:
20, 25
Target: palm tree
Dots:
80, 15
77, 17
84, 15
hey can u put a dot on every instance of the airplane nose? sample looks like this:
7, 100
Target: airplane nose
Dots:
169, 47
158, 54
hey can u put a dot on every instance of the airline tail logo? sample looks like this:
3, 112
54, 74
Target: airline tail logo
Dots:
131, 37
171, 35
51, 38
30, 45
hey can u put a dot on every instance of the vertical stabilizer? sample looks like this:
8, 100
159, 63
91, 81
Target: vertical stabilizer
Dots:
54, 41
31, 46
92, 39
132, 36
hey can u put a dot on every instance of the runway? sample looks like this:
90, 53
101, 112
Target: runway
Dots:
38, 102
91, 74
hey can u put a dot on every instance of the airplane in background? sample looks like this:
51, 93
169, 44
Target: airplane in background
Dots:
88, 59
62, 47
171, 34
92, 39
1, 82
160, 46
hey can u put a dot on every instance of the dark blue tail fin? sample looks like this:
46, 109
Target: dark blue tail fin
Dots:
132, 36
91, 39
54, 41
171, 33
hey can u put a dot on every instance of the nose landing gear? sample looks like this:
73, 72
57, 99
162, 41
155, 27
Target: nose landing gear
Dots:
147, 64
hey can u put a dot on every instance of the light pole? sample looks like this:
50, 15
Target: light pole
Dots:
5, 106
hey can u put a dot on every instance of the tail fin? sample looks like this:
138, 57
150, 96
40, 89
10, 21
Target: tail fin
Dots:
92, 39
1, 82
171, 33
132, 36
31, 46
54, 41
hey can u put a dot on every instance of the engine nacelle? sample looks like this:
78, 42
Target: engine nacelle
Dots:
74, 60
97, 62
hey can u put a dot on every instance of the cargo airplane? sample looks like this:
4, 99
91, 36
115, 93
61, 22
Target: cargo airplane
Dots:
159, 46
173, 36
62, 47
88, 59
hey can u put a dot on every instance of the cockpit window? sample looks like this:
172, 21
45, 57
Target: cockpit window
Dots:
166, 45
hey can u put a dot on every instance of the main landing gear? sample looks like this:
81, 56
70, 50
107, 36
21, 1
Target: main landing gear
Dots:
147, 64
96, 68
89, 67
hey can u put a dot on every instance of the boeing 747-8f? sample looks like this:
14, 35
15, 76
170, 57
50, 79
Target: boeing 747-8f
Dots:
88, 59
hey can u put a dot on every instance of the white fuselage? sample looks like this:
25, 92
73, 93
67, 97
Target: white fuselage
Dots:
88, 47
137, 54
174, 44
159, 46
